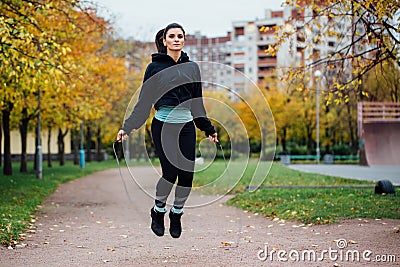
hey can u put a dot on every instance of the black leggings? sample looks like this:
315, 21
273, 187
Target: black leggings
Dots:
175, 145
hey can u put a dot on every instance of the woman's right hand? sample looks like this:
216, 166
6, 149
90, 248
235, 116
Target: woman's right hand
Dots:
122, 135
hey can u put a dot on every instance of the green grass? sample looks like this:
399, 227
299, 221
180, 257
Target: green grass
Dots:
20, 194
308, 205
319, 206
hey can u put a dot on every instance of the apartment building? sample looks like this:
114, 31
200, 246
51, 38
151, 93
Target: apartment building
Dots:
213, 56
244, 48
250, 39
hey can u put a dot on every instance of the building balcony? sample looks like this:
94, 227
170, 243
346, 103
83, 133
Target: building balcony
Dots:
267, 62
262, 53
263, 73
266, 41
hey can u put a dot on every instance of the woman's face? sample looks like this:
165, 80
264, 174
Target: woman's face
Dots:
174, 39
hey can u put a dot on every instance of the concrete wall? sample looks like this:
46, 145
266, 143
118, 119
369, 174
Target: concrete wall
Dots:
16, 142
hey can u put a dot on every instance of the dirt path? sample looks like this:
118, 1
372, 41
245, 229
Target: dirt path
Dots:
91, 222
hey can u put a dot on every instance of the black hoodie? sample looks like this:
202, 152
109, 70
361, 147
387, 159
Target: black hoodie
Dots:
170, 83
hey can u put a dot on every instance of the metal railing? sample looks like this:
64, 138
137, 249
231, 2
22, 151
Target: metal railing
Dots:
377, 112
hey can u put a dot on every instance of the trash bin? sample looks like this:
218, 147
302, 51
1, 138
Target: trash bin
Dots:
328, 159
285, 159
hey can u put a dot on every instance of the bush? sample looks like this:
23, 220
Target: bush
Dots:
341, 149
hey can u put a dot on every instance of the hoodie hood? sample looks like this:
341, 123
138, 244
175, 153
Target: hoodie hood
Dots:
161, 57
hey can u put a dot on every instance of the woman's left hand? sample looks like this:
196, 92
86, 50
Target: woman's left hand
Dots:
213, 138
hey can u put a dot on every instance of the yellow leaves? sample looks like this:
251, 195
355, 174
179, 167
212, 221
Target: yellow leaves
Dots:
271, 50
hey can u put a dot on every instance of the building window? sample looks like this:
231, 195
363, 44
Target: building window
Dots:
240, 38
238, 49
240, 69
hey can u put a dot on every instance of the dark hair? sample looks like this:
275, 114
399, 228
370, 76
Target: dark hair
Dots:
159, 42
172, 26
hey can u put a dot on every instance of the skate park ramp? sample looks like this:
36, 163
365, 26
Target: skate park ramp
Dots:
382, 143
379, 128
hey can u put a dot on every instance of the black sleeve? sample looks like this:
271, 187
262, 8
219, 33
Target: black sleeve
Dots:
197, 108
143, 106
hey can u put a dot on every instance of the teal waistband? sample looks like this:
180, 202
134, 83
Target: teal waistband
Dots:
173, 114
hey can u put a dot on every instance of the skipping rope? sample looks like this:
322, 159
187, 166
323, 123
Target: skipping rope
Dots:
117, 143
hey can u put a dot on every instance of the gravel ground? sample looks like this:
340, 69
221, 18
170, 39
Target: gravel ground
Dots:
92, 222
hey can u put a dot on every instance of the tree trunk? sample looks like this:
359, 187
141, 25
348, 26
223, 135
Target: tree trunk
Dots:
309, 140
1, 141
23, 129
7, 169
88, 143
49, 161
283, 140
61, 146
99, 145
75, 146
352, 133
36, 152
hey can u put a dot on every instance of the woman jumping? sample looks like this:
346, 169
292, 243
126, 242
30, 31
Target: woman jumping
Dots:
172, 85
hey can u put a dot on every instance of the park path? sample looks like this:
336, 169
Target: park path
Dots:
91, 222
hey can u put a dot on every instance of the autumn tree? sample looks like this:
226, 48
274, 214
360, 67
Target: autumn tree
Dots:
344, 38
56, 47
25, 49
383, 83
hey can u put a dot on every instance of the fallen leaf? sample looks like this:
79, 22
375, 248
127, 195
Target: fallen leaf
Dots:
227, 244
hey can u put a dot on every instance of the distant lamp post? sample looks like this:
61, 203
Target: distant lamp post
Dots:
81, 150
39, 158
317, 75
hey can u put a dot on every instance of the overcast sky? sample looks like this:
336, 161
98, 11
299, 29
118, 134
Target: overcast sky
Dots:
142, 19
